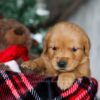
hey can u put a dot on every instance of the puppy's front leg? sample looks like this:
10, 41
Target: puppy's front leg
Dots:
65, 80
36, 65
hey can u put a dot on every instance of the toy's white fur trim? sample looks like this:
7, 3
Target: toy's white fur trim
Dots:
13, 66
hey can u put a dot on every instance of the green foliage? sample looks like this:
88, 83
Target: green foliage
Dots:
23, 11
26, 13
8, 7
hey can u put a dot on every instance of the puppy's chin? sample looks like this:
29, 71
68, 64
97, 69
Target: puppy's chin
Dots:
66, 69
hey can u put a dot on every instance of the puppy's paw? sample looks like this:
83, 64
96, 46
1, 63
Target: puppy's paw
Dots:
65, 80
25, 64
31, 65
28, 65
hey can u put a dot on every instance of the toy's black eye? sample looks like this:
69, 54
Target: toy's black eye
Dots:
74, 49
19, 31
54, 48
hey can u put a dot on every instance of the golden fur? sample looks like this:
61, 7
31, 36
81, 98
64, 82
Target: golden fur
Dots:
68, 44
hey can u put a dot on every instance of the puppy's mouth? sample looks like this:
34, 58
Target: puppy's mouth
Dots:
61, 70
66, 69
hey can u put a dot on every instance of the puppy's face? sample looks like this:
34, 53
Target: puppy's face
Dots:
66, 46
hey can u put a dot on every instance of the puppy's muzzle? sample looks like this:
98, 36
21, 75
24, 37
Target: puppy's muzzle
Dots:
62, 64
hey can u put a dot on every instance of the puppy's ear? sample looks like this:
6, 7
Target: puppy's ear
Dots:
87, 46
46, 42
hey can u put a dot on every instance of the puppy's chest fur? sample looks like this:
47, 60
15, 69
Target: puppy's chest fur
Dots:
49, 70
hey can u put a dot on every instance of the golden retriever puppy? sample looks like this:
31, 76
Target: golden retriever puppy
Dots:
65, 54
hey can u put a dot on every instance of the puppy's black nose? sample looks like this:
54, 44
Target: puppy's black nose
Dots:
62, 63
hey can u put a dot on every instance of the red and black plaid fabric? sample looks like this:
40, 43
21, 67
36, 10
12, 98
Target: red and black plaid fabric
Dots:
14, 86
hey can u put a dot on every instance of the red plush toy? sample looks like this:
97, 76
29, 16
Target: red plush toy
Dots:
16, 39
17, 45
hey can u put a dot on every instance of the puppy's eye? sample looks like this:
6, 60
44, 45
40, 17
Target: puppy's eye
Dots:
54, 48
74, 49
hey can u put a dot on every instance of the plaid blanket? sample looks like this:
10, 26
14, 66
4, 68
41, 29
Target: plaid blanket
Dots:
14, 86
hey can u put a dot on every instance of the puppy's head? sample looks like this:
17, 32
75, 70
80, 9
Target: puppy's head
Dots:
66, 46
